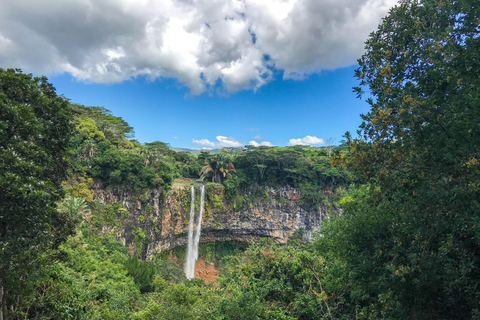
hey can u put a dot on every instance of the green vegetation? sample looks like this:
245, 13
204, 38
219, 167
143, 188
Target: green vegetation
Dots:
217, 252
419, 149
35, 130
218, 167
307, 169
102, 150
115, 160
406, 247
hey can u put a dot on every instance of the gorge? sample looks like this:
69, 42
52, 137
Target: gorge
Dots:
167, 217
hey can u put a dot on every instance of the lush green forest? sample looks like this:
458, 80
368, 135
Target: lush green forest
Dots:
406, 246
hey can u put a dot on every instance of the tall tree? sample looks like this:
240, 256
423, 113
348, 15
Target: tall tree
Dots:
420, 148
35, 129
219, 167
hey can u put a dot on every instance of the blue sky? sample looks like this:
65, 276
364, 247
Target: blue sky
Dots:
203, 73
322, 106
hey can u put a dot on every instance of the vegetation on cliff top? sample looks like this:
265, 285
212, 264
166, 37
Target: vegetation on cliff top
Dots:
103, 149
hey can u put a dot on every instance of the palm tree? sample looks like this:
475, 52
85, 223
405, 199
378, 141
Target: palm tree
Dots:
87, 150
208, 169
145, 154
225, 165
74, 205
219, 167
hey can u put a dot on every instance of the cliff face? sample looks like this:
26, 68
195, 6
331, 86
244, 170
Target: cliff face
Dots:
159, 220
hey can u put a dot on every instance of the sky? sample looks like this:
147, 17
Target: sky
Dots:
201, 73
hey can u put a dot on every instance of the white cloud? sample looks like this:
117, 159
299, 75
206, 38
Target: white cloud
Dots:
305, 141
200, 43
263, 143
258, 137
228, 142
222, 142
203, 142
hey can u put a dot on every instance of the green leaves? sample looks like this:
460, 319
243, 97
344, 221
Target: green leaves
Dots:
417, 220
310, 170
283, 283
218, 167
35, 130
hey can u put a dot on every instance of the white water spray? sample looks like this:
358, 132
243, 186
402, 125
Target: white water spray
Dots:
189, 267
192, 248
199, 222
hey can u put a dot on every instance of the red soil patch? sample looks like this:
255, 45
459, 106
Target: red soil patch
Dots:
206, 271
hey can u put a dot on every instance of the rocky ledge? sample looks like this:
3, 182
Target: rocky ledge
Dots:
163, 217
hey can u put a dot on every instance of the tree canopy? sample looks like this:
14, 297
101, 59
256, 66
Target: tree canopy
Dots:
418, 252
35, 128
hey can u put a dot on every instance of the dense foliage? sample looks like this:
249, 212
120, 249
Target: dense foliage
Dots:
102, 149
419, 148
34, 135
96, 279
307, 169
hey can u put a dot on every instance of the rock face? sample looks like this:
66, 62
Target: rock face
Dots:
163, 217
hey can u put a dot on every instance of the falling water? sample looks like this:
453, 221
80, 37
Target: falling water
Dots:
199, 222
190, 261
192, 250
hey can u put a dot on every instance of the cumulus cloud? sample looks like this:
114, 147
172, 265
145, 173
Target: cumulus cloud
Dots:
228, 142
263, 143
222, 142
205, 44
305, 141
203, 142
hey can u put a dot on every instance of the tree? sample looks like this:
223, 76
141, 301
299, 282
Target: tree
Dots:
329, 146
219, 167
113, 128
74, 205
279, 282
35, 129
419, 147
258, 156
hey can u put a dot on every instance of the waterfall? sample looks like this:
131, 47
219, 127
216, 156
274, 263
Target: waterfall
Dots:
199, 223
192, 248
189, 266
